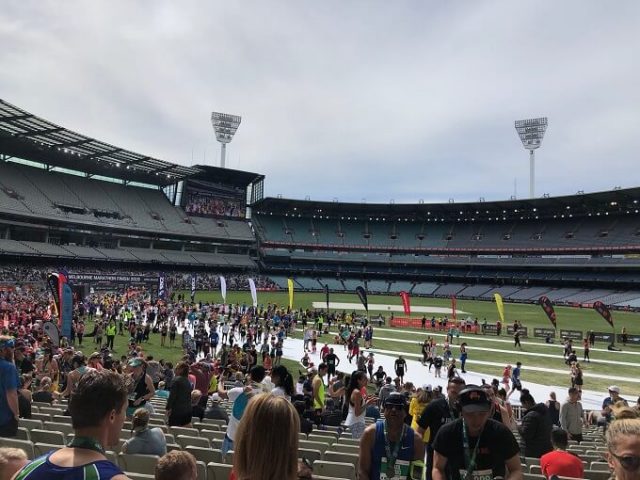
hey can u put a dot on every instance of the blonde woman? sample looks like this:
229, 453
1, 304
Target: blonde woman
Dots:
419, 401
623, 443
257, 455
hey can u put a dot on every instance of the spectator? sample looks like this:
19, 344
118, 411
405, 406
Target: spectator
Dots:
178, 408
197, 410
385, 390
98, 410
177, 465
141, 385
377, 460
306, 425
215, 411
535, 431
571, 416
357, 403
553, 408
613, 398
11, 460
162, 391
25, 396
257, 456
9, 407
623, 444
418, 403
145, 440
560, 462
44, 393
283, 382
495, 450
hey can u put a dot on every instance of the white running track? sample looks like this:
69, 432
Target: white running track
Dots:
419, 375
378, 307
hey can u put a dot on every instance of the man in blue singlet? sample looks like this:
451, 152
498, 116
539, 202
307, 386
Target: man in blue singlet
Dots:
390, 449
98, 408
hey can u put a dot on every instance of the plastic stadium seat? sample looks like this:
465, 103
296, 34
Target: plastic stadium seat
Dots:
205, 455
65, 428
214, 437
309, 454
138, 463
219, 471
25, 445
139, 476
185, 440
343, 457
46, 436
334, 469
23, 434
322, 446
344, 448
535, 469
599, 466
42, 448
597, 474
191, 432
173, 446
202, 470
43, 417
30, 423
532, 476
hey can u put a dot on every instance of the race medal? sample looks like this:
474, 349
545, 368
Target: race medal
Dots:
391, 470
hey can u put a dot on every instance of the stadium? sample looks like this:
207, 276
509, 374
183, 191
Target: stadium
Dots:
115, 220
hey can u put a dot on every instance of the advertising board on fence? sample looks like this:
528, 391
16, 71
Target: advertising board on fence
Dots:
524, 331
572, 334
543, 332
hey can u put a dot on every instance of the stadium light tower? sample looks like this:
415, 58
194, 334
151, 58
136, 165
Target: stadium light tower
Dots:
225, 127
531, 132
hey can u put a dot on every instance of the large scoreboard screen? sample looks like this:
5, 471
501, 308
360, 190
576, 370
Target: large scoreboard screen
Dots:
209, 199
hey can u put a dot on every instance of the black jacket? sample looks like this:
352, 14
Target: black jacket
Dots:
536, 431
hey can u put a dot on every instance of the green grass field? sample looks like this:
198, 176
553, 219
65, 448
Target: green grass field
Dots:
535, 352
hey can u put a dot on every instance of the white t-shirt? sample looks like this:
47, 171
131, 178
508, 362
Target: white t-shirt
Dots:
279, 392
240, 401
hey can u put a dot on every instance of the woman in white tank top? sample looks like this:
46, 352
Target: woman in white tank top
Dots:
357, 403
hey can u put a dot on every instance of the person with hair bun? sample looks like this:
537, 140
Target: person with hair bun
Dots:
623, 443
283, 382
145, 440
257, 456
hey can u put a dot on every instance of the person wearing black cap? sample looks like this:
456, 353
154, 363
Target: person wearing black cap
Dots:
390, 448
436, 414
475, 446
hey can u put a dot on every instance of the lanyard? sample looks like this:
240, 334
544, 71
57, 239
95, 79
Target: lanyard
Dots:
86, 443
392, 456
469, 459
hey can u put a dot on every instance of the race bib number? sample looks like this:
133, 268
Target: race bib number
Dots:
477, 475
400, 470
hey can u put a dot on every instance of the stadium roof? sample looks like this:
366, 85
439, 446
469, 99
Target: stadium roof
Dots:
599, 203
227, 176
24, 135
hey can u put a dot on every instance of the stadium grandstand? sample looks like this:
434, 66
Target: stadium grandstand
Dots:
67, 199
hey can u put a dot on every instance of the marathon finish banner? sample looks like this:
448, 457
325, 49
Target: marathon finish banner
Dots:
543, 332
406, 303
162, 286
547, 306
604, 312
524, 331
603, 337
98, 277
572, 334
362, 295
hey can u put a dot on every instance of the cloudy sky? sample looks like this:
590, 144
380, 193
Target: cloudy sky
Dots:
374, 100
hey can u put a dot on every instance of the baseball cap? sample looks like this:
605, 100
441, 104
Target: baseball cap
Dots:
427, 387
396, 398
474, 399
614, 388
135, 362
8, 343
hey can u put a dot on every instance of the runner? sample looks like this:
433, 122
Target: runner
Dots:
400, 366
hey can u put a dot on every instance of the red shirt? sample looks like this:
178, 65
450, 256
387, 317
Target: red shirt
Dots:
561, 463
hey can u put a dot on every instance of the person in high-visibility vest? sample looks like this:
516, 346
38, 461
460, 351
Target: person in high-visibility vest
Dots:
111, 334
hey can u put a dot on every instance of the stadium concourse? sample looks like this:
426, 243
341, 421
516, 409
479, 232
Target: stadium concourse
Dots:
419, 374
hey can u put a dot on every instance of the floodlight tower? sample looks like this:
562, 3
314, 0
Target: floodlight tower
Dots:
531, 132
225, 127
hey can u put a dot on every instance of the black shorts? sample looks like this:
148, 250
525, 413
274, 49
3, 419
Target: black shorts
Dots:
331, 370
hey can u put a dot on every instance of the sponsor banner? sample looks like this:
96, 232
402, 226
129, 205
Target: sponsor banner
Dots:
604, 337
254, 292
326, 292
406, 305
67, 310
543, 332
547, 306
604, 312
490, 328
194, 283
632, 339
454, 302
223, 289
572, 334
290, 286
524, 331
362, 294
499, 305
162, 286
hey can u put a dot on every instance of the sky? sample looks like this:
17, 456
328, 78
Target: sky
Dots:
372, 101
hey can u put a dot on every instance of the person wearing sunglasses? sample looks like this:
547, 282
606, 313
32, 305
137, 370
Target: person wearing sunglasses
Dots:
390, 448
9, 410
623, 443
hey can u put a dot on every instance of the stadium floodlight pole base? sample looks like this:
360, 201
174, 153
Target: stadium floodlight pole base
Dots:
223, 154
532, 173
